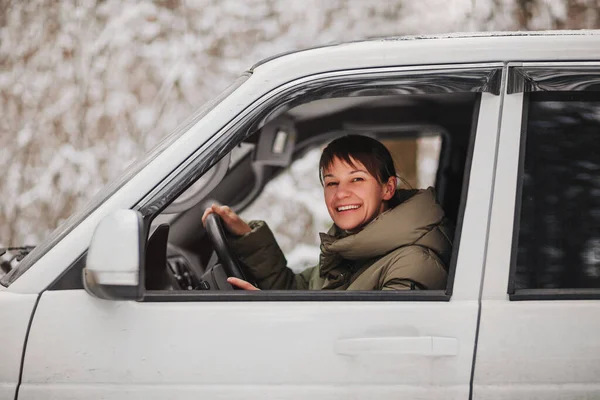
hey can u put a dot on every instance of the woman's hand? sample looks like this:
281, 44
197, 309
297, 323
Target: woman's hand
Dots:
233, 223
242, 284
237, 226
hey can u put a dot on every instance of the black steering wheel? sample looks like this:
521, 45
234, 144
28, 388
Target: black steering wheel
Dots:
216, 234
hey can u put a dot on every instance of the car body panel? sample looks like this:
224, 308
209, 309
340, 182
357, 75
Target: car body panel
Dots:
546, 349
207, 348
15, 314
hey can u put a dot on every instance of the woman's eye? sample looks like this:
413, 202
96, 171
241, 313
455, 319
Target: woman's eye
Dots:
357, 179
329, 184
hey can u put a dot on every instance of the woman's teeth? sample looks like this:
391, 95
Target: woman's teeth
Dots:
345, 208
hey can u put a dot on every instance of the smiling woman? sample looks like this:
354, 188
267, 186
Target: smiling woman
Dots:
359, 179
382, 238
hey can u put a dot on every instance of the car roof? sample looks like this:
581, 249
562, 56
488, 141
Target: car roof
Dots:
485, 36
455, 48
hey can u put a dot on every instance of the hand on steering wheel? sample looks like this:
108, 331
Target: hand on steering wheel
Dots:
213, 220
233, 223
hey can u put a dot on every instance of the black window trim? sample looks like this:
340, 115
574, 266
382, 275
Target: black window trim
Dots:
518, 200
295, 295
557, 84
553, 77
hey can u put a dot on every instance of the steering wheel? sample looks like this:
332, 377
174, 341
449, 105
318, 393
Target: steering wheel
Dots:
216, 234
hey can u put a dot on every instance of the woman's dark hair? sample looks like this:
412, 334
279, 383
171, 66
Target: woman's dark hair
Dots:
368, 151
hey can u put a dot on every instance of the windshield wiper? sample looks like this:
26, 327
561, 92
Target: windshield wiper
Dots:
8, 255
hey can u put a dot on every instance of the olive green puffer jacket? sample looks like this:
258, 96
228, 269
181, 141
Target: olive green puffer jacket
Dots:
407, 247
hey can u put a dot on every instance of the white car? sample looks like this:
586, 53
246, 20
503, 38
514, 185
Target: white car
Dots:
127, 300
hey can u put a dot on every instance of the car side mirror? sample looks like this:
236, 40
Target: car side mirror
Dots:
113, 264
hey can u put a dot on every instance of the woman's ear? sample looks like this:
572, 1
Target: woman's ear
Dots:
390, 188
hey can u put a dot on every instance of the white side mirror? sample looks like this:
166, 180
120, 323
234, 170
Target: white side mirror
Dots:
115, 257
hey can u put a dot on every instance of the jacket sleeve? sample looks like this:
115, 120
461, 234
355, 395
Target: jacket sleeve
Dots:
263, 256
414, 267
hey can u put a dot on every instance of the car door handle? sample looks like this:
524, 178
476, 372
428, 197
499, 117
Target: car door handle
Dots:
431, 346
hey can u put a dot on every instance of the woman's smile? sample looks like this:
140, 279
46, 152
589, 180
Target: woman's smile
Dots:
353, 196
347, 208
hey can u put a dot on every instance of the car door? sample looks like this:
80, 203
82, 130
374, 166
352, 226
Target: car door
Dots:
15, 315
289, 344
539, 327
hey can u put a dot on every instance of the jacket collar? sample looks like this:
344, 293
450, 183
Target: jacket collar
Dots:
403, 225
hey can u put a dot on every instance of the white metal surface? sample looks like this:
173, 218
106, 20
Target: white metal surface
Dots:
114, 254
262, 349
426, 346
15, 313
529, 349
546, 350
469, 49
471, 253
497, 263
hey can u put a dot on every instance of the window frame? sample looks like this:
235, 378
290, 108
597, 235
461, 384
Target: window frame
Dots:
551, 78
477, 78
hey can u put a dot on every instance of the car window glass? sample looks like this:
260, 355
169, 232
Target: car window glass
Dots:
558, 226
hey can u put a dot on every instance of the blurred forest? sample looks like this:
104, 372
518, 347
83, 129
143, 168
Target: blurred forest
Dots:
88, 86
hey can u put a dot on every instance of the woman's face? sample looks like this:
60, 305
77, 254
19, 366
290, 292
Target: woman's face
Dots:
353, 196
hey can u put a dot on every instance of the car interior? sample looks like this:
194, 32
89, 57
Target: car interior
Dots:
182, 254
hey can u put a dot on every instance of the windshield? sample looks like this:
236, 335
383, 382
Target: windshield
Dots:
67, 226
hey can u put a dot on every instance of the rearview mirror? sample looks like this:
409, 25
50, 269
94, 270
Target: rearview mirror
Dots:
113, 265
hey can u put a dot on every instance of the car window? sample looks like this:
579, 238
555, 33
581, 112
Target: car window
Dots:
557, 226
401, 119
292, 203
441, 123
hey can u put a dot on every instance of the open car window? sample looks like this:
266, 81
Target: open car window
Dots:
430, 135
428, 127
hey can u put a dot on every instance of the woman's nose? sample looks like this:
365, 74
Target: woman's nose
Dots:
342, 192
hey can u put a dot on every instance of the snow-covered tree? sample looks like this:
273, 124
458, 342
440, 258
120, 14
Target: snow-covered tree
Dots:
86, 86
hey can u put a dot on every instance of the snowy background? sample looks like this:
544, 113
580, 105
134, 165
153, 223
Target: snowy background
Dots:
88, 86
